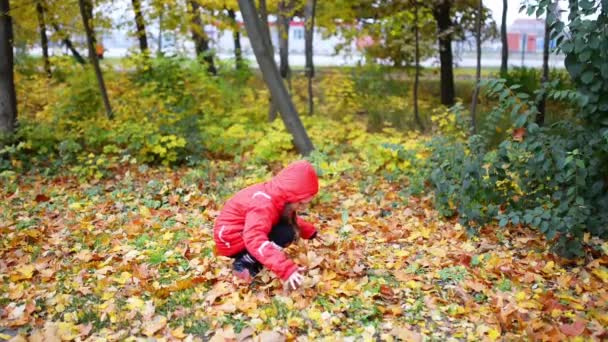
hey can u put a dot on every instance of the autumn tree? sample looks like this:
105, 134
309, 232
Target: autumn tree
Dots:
272, 78
8, 100
44, 40
504, 60
478, 69
236, 36
140, 24
201, 41
309, 15
86, 11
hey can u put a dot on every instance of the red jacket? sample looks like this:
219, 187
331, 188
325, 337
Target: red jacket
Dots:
248, 217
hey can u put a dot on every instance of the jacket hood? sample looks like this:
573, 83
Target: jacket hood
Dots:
296, 182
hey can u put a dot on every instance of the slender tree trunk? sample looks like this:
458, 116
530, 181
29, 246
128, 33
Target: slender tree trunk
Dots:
159, 50
201, 43
8, 98
283, 24
478, 71
272, 78
44, 41
540, 118
265, 26
309, 15
140, 25
442, 15
86, 11
68, 43
504, 61
272, 108
417, 62
236, 35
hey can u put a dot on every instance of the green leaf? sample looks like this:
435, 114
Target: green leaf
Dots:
587, 76
585, 55
503, 222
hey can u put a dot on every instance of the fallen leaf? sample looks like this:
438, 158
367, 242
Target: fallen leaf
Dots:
42, 198
151, 327
270, 336
573, 329
406, 334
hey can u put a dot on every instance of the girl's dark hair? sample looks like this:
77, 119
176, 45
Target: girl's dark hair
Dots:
289, 216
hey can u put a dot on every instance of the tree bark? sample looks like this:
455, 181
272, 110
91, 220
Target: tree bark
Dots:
265, 27
236, 35
478, 70
442, 15
68, 43
309, 15
8, 98
504, 61
201, 43
417, 62
272, 108
140, 24
159, 50
86, 11
273, 79
283, 24
540, 118
44, 41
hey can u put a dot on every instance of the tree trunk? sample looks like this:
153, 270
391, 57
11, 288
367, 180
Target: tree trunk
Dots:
236, 35
272, 108
201, 43
44, 41
68, 43
140, 25
478, 70
504, 61
283, 24
86, 11
273, 78
159, 50
265, 27
8, 99
540, 118
417, 62
442, 15
309, 15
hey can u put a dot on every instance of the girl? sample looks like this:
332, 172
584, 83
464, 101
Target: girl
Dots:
259, 221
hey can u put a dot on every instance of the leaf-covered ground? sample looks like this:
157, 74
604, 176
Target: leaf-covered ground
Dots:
132, 257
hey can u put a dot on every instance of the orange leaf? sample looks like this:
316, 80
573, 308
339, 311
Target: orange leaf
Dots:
519, 134
42, 198
573, 329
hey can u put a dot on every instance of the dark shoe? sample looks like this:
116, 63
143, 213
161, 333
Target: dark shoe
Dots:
245, 270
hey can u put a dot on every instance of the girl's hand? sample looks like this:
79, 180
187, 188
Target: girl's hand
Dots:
295, 279
321, 239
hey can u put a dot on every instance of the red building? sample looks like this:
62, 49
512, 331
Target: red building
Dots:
529, 29
516, 42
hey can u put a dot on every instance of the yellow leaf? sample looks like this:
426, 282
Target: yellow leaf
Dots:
75, 206
135, 303
178, 333
152, 326
601, 273
23, 272
144, 211
67, 331
493, 334
549, 267
520, 296
168, 236
412, 284
123, 278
